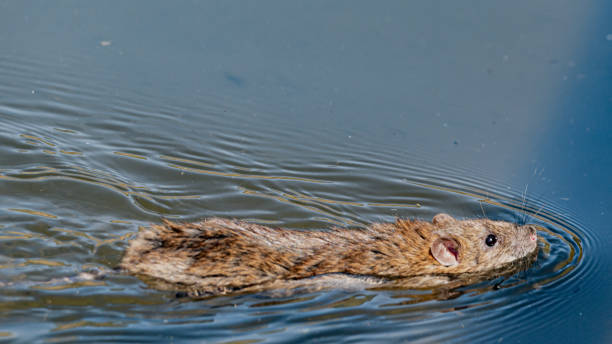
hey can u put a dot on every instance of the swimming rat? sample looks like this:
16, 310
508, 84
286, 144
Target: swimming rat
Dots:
219, 256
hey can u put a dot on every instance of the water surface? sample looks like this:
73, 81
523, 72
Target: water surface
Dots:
302, 115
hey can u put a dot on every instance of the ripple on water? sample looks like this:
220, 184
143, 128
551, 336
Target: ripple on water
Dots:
83, 167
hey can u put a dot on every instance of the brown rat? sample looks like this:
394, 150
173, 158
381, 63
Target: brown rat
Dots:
219, 256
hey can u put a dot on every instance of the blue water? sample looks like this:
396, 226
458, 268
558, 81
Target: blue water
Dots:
302, 115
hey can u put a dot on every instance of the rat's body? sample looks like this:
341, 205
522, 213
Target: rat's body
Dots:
219, 256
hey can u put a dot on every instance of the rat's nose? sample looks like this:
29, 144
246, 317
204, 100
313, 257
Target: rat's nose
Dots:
533, 236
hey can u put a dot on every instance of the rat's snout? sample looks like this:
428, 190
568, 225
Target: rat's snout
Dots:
533, 236
529, 232
532, 232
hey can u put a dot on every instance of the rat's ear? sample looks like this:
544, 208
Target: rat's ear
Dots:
445, 251
443, 219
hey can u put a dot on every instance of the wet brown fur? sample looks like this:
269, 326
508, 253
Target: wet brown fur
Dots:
219, 256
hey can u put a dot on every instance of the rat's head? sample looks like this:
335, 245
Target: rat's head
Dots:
479, 245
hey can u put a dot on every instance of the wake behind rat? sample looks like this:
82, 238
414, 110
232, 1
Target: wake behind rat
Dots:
219, 256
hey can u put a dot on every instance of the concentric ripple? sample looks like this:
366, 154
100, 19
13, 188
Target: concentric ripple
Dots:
83, 167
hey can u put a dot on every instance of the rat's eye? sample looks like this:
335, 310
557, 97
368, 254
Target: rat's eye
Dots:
491, 240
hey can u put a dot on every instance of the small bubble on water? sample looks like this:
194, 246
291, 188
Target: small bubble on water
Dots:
609, 37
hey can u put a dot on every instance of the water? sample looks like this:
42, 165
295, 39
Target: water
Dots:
302, 115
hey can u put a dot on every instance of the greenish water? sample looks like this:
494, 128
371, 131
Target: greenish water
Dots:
301, 115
